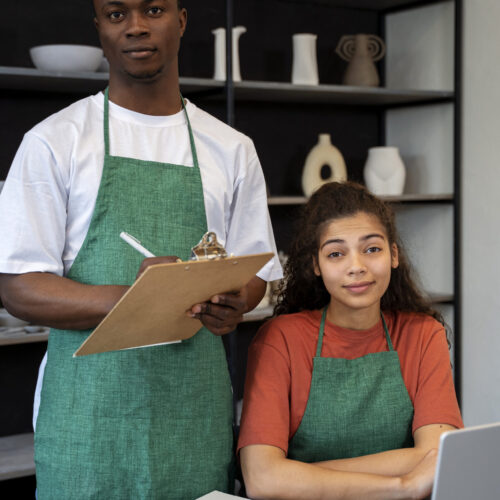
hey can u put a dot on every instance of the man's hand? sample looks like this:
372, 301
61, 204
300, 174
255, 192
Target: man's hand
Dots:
222, 313
151, 261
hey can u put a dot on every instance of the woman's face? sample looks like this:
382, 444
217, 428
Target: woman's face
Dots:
355, 260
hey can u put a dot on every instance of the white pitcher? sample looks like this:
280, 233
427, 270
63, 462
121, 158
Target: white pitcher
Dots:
220, 52
305, 65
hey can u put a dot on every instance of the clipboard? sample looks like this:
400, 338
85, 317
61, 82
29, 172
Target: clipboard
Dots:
153, 310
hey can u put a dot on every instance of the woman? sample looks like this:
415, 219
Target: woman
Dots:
350, 387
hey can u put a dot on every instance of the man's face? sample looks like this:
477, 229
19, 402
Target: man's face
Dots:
140, 38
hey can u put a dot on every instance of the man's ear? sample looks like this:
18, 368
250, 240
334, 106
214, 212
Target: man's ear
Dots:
394, 256
96, 23
182, 21
317, 270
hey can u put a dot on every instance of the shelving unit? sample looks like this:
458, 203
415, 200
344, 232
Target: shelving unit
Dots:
284, 120
422, 113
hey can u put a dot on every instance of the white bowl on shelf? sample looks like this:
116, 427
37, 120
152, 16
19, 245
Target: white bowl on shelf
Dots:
61, 58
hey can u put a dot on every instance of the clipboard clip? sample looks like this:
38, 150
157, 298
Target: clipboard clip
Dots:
208, 248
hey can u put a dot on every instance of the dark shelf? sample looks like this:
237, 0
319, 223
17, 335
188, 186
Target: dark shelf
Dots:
336, 94
18, 78
404, 198
16, 456
14, 78
376, 5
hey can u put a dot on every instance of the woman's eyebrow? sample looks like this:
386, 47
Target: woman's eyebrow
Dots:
362, 238
372, 235
333, 240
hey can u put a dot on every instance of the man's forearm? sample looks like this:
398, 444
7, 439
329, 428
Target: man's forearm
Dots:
256, 288
51, 300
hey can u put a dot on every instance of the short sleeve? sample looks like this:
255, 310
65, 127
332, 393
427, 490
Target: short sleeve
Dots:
33, 206
435, 398
249, 225
266, 407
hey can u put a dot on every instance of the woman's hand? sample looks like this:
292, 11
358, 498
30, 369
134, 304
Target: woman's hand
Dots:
418, 483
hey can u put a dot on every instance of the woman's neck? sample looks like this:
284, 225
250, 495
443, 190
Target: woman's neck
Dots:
354, 319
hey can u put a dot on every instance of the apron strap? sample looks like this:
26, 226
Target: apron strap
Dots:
106, 122
106, 128
320, 336
191, 137
322, 329
386, 330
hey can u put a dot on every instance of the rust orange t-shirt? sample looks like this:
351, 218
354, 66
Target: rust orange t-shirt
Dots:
280, 362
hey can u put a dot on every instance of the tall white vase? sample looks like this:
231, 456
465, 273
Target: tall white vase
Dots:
220, 52
305, 65
384, 171
323, 153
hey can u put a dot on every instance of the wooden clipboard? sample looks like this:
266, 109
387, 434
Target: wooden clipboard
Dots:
153, 311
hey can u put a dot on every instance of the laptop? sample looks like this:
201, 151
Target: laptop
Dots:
468, 465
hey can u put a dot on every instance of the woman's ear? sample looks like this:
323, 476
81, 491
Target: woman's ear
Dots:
394, 256
317, 270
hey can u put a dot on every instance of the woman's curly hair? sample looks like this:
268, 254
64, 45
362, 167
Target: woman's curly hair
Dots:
301, 289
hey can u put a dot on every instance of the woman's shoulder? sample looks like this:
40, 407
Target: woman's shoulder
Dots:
412, 326
287, 327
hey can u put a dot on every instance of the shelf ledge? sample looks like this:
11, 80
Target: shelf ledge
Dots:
13, 336
404, 198
16, 456
22, 78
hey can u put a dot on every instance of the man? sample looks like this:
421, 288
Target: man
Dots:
142, 423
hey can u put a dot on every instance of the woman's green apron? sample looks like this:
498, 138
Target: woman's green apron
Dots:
355, 407
151, 423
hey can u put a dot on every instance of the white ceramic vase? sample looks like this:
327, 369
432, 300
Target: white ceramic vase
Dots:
323, 153
220, 53
384, 171
305, 64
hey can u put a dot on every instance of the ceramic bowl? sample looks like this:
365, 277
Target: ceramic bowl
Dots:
66, 58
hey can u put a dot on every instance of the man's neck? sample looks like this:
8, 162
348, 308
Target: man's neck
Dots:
158, 98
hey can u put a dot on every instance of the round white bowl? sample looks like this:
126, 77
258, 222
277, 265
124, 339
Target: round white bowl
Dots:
66, 58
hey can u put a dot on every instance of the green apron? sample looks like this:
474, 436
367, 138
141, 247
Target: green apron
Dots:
355, 407
151, 423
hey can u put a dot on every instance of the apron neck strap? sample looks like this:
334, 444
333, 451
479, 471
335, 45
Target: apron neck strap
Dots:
191, 137
386, 330
106, 128
322, 330
106, 122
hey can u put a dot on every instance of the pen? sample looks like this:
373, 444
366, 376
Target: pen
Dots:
135, 243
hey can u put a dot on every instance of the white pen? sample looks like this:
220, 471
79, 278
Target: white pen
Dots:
135, 243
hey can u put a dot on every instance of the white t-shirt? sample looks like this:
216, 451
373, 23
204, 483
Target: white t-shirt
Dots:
49, 195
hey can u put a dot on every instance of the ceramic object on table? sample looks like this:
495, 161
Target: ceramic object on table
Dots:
220, 53
361, 51
324, 153
62, 58
384, 171
6, 319
305, 64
